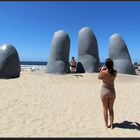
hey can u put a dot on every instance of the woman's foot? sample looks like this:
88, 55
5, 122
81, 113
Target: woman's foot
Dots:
111, 126
106, 126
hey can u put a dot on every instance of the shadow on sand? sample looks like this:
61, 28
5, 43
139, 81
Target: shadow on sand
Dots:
128, 125
78, 75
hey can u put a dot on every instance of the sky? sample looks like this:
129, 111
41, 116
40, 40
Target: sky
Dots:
30, 25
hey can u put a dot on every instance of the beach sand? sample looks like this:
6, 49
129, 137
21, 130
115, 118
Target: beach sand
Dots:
45, 105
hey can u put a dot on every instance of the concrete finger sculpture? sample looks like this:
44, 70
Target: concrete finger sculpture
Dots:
88, 56
119, 53
58, 62
9, 62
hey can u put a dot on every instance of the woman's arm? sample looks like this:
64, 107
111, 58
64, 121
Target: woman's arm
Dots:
102, 73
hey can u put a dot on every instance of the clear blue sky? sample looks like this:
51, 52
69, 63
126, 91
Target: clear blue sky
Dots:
29, 26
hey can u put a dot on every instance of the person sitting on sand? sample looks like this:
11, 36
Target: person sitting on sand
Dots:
107, 94
73, 65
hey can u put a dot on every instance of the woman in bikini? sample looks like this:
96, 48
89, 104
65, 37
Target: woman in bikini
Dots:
107, 94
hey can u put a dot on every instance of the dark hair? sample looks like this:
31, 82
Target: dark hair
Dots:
109, 64
72, 57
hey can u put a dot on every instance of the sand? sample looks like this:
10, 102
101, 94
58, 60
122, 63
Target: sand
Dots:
45, 105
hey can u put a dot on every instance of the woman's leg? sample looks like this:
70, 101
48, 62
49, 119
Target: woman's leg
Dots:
72, 69
105, 110
111, 111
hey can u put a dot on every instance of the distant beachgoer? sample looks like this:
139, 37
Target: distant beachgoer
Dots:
107, 94
73, 65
